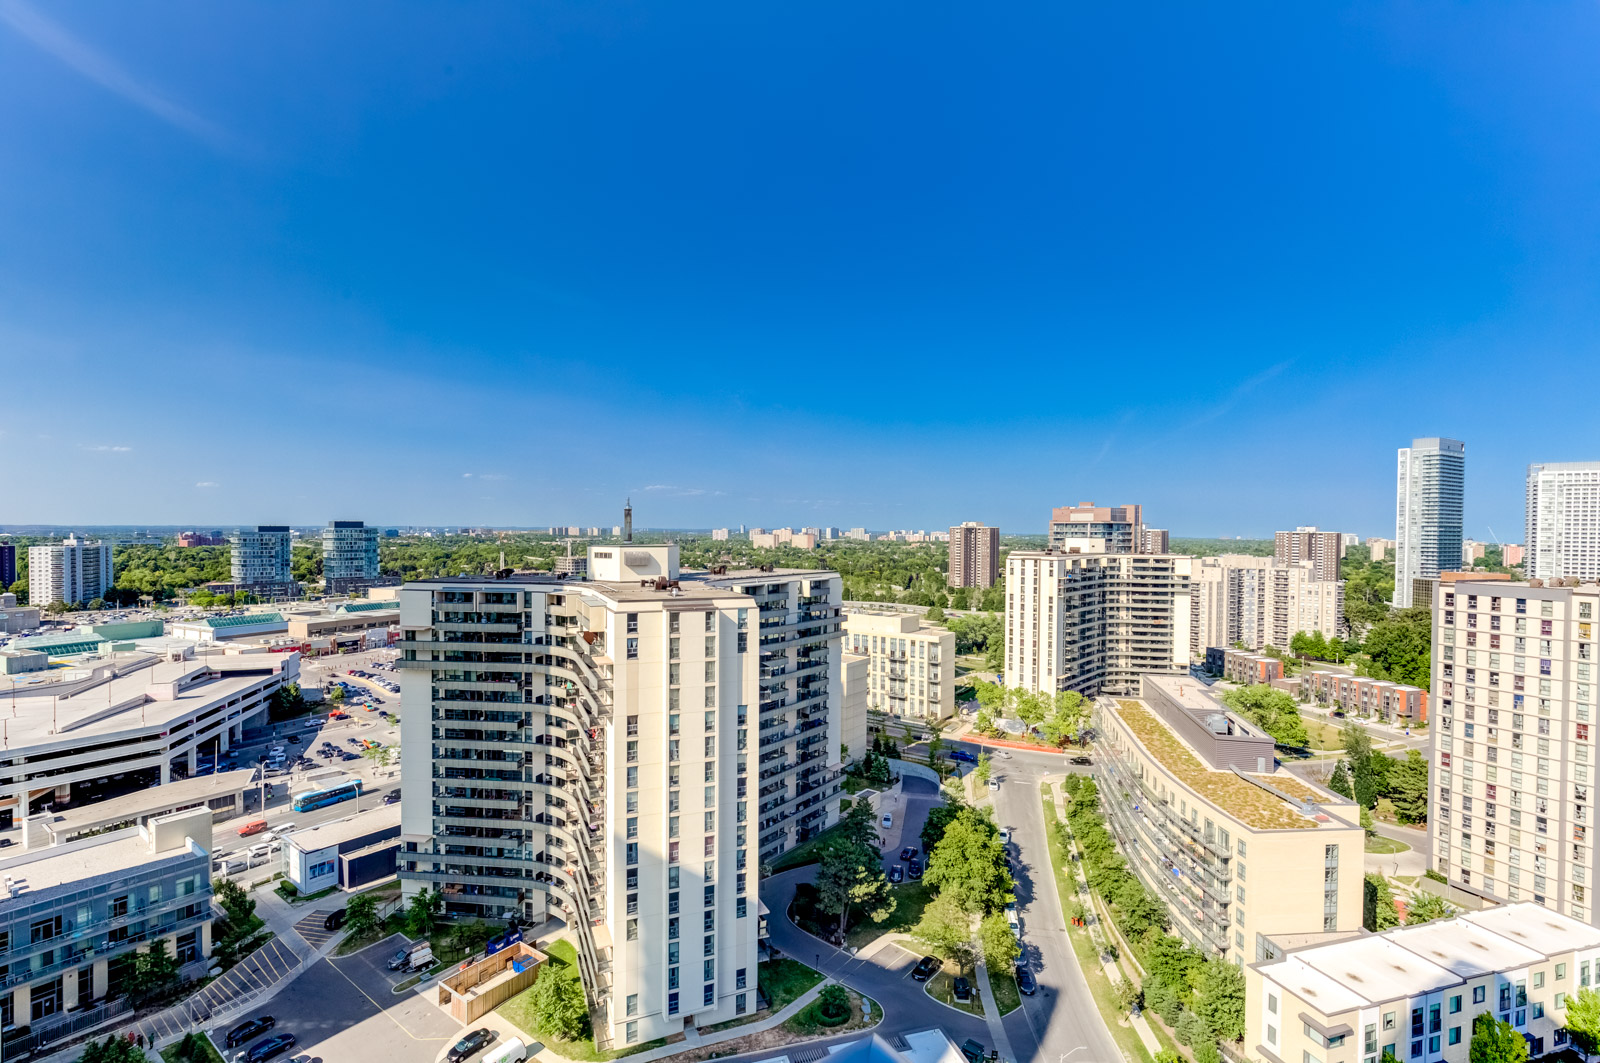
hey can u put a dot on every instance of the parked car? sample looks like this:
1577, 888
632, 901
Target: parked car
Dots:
336, 919
925, 969
391, 797
1027, 984
248, 1029
908, 853
914, 870
887, 821
470, 1045
994, 784
897, 873
972, 1050
962, 754
961, 989
1005, 835
277, 1044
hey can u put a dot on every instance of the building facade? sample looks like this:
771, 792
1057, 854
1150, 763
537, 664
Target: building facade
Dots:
1321, 550
1118, 527
72, 573
626, 749
1396, 703
8, 565
974, 555
911, 668
1380, 548
1242, 666
1413, 992
1208, 823
1260, 602
349, 556
76, 915
1090, 621
1513, 753
1563, 520
1154, 541
261, 557
1428, 515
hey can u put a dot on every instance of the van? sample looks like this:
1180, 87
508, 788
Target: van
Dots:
513, 1051
255, 826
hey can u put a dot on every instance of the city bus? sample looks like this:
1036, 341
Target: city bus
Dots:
331, 796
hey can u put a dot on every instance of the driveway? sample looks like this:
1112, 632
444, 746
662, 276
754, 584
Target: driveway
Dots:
908, 804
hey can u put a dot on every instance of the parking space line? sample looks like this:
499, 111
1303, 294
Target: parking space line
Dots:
384, 1011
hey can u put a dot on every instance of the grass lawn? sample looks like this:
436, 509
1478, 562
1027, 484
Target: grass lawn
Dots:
1004, 988
855, 784
910, 898
807, 852
519, 1012
1377, 843
1323, 735
941, 988
807, 1023
208, 1051
784, 981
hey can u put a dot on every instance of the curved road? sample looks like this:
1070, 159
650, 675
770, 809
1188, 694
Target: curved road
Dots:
1060, 1021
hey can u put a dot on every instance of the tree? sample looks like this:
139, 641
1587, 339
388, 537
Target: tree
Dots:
983, 770
933, 827
969, 863
1340, 783
116, 1048
947, 929
422, 915
1583, 1019
234, 900
934, 614
336, 695
97, 603
853, 875
999, 944
1378, 905
1191, 1029
1408, 787
1068, 713
361, 914
1369, 769
1495, 1041
859, 827
1273, 710
155, 970
559, 1009
1424, 907
834, 1000
1399, 649
1219, 999
1366, 822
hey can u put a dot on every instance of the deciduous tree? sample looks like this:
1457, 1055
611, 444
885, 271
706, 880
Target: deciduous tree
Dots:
1495, 1041
999, 944
968, 862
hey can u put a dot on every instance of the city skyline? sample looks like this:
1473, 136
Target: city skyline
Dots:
661, 256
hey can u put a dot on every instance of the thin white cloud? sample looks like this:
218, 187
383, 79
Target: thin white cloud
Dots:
674, 489
207, 483
50, 38
105, 448
485, 476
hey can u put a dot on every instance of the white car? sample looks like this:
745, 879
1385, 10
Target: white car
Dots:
994, 784
1005, 835
888, 821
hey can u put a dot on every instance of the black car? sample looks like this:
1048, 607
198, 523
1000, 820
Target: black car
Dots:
249, 1028
972, 1050
294, 739
925, 969
470, 1045
335, 919
961, 989
1027, 984
272, 1046
914, 870
1082, 760
896, 873
908, 853
391, 797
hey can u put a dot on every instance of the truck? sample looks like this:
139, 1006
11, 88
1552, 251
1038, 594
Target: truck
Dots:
420, 959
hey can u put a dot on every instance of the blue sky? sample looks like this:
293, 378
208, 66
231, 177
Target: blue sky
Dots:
891, 264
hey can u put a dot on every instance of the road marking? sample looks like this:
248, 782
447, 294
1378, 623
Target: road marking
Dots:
381, 1010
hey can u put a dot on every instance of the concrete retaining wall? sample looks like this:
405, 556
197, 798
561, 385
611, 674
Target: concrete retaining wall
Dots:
916, 771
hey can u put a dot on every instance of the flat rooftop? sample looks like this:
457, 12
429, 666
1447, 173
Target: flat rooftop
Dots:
1411, 961
155, 800
349, 829
65, 865
1235, 795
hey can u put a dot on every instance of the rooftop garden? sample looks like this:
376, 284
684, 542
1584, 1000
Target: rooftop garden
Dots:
1247, 803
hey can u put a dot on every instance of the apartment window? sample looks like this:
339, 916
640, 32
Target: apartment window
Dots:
1478, 993
672, 929
633, 800
633, 752
740, 1005
1241, 848
633, 930
711, 645
633, 852
673, 651
633, 649
709, 923
672, 723
672, 957
1455, 1004
711, 821
673, 623
711, 773
710, 967
711, 722
632, 1032
672, 1003
672, 826
711, 891
633, 726
711, 845
711, 746
672, 852
633, 825
633, 1004
1455, 1035
1538, 979
672, 749
633, 623
710, 996
740, 908
709, 946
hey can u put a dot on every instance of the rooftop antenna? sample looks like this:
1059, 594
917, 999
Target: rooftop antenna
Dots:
627, 521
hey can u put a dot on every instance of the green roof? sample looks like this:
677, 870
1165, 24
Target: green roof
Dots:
62, 645
247, 620
365, 607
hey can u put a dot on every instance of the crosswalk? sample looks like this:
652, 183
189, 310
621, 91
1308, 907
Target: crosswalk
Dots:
263, 968
311, 928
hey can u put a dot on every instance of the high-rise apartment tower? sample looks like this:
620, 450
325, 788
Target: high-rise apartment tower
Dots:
73, 572
1563, 520
1428, 518
974, 555
1321, 549
349, 556
1118, 527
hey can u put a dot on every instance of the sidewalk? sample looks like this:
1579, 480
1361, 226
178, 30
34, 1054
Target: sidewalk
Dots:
992, 1016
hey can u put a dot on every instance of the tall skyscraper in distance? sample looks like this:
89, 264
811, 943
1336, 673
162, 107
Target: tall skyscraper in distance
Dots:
260, 556
1118, 527
1428, 512
349, 556
73, 572
1322, 549
1563, 520
974, 555
8, 565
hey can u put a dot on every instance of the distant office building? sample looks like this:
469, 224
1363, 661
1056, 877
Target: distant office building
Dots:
8, 565
830, 534
391, 533
719, 535
194, 538
349, 556
1428, 514
1511, 554
572, 566
912, 663
1260, 602
1116, 526
1471, 551
859, 534
1322, 550
1087, 620
1346, 541
14, 618
261, 558
1154, 541
74, 573
1380, 548
974, 555
1563, 520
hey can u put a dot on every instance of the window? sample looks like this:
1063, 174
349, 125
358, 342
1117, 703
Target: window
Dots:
672, 1002
632, 1032
672, 852
1538, 979
1272, 1034
672, 929
1538, 1009
633, 1003
711, 970
1272, 1004
320, 869
633, 930
1455, 1035
740, 1005
710, 995
633, 649
1455, 1004
633, 852
633, 623
633, 822
740, 908
633, 726
1561, 1001
739, 978
1478, 993
633, 777
710, 945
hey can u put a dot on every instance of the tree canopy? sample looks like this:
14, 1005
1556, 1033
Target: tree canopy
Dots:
1495, 1041
1274, 711
969, 864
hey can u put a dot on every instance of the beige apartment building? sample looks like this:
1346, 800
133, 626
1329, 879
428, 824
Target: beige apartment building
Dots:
911, 663
1208, 822
1087, 620
1118, 527
1154, 541
1321, 550
974, 555
1260, 601
1413, 991
1513, 750
624, 751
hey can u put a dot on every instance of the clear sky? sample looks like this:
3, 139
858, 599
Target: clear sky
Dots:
893, 264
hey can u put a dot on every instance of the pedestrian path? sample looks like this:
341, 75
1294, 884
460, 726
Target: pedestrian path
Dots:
991, 1015
265, 967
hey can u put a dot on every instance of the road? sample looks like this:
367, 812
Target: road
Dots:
1059, 1020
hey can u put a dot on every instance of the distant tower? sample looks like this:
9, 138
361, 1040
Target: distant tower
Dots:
627, 521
